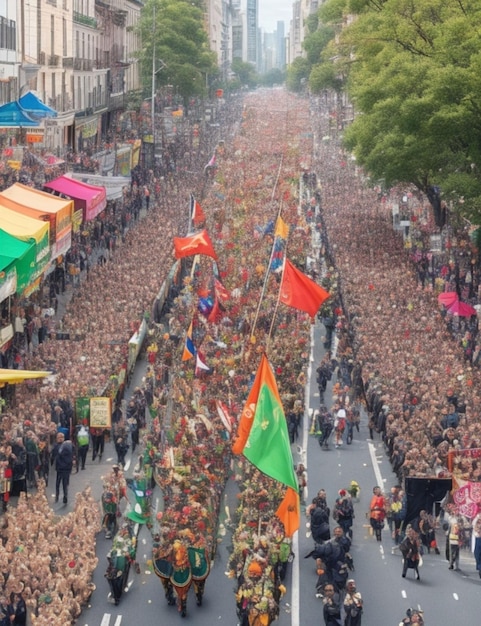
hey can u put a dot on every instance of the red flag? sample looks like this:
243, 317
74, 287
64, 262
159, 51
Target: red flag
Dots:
196, 212
216, 314
220, 291
199, 243
300, 292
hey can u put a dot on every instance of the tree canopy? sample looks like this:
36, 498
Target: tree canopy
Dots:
411, 69
183, 57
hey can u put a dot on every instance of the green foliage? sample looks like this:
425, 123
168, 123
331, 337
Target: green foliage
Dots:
315, 43
245, 72
297, 74
412, 70
183, 57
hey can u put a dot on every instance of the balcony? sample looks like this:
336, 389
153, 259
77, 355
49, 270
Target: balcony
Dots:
83, 65
85, 20
67, 62
61, 103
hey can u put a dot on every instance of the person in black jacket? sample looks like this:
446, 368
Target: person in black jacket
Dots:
320, 524
17, 610
62, 456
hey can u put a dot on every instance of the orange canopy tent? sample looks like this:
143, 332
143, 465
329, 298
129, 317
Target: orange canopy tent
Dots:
12, 377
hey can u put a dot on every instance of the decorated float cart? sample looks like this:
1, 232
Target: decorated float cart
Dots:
184, 545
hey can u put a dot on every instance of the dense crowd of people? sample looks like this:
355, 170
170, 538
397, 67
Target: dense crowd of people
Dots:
384, 318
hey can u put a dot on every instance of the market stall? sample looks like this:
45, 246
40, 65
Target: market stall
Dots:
40, 205
89, 199
17, 264
27, 228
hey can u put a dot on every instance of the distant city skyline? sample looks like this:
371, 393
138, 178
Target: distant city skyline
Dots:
273, 11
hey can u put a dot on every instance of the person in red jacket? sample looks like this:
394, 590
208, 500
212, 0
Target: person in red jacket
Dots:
377, 511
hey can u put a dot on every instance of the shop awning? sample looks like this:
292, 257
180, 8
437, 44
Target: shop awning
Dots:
114, 185
16, 257
12, 377
13, 116
27, 228
91, 199
43, 206
35, 107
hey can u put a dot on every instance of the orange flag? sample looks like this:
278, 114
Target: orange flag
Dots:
300, 292
263, 439
264, 373
199, 243
289, 512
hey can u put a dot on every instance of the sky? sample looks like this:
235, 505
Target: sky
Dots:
273, 11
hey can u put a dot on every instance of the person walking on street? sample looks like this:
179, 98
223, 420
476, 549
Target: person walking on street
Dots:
332, 606
343, 512
62, 456
410, 548
98, 442
377, 512
453, 540
83, 443
353, 604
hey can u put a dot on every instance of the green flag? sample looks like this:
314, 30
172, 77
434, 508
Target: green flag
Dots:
268, 446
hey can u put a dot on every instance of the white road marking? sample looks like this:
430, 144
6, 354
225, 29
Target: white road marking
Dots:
404, 594
455, 596
118, 620
375, 465
105, 620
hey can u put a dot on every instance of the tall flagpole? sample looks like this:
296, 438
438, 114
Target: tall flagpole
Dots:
266, 276
153, 84
274, 315
272, 252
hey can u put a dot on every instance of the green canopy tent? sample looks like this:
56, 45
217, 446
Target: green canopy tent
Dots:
25, 229
17, 259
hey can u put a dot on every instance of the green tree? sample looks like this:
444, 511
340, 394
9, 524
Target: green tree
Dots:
413, 75
245, 72
183, 57
297, 74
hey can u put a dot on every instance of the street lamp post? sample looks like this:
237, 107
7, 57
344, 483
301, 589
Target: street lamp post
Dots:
155, 71
153, 80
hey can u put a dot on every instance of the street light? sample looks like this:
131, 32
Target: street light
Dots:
154, 73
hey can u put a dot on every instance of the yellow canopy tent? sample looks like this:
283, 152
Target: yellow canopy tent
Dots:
27, 228
43, 206
12, 377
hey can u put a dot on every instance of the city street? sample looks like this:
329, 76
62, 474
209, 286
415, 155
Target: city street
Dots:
443, 595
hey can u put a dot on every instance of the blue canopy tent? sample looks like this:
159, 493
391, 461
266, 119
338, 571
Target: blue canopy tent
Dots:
34, 107
13, 116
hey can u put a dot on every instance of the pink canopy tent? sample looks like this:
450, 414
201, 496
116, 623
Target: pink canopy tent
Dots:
90, 199
448, 298
461, 309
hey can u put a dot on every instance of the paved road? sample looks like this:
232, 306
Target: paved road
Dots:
447, 597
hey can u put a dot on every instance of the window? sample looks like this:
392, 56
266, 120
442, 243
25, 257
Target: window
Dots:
64, 37
7, 34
